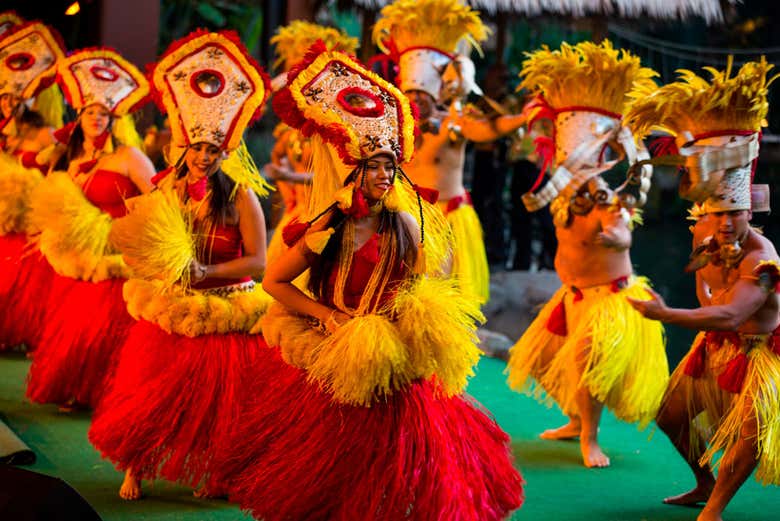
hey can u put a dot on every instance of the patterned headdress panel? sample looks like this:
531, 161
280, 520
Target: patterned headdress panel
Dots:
104, 77
28, 59
348, 106
211, 89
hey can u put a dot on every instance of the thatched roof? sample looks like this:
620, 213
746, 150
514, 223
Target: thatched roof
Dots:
710, 10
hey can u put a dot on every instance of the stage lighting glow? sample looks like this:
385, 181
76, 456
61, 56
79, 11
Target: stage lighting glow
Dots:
73, 9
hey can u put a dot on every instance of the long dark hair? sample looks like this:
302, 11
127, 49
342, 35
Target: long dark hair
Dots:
31, 117
222, 206
389, 222
75, 145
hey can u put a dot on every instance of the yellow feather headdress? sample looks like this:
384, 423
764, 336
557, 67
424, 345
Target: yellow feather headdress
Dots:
696, 105
585, 74
424, 37
293, 40
439, 24
584, 89
715, 125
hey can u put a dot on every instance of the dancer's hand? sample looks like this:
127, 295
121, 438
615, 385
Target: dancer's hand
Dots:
335, 320
654, 308
198, 271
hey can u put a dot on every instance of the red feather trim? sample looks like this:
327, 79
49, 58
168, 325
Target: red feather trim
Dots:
429, 194
732, 378
664, 146
62, 134
293, 232
694, 367
159, 176
556, 323
359, 208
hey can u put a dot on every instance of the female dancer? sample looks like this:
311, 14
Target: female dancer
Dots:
178, 383
33, 51
357, 409
93, 175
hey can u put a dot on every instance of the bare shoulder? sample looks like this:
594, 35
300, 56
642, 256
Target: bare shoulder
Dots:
409, 220
760, 249
130, 152
411, 224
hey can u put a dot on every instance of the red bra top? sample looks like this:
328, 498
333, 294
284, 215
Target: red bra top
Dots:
28, 160
364, 260
108, 190
219, 243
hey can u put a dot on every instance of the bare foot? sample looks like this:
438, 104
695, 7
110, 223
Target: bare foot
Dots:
592, 454
700, 494
568, 432
131, 488
205, 492
69, 406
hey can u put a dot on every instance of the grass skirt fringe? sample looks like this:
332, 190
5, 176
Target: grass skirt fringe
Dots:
25, 294
174, 401
610, 348
723, 413
469, 258
80, 342
415, 455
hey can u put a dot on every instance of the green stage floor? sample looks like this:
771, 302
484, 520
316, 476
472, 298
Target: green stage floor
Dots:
644, 468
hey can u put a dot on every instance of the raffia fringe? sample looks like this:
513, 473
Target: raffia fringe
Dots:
192, 313
73, 233
16, 186
372, 356
610, 349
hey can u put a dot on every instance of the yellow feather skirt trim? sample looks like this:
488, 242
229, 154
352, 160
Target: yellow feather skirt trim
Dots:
610, 349
72, 232
194, 313
724, 414
372, 356
16, 186
469, 260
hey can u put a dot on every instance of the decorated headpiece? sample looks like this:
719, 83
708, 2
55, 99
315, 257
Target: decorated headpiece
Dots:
351, 114
423, 37
212, 89
293, 40
584, 90
104, 77
715, 127
28, 59
9, 20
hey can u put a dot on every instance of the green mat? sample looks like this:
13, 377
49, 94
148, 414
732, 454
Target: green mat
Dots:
644, 468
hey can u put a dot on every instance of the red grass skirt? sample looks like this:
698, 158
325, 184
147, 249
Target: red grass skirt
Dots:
80, 342
173, 402
25, 288
298, 455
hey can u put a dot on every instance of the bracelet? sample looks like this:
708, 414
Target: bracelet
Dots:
202, 271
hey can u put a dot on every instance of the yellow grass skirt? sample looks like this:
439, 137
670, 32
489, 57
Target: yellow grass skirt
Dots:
469, 265
609, 348
724, 412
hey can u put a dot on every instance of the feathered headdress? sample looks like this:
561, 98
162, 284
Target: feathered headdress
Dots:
351, 114
424, 36
9, 20
293, 40
584, 89
28, 59
104, 77
715, 126
212, 89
